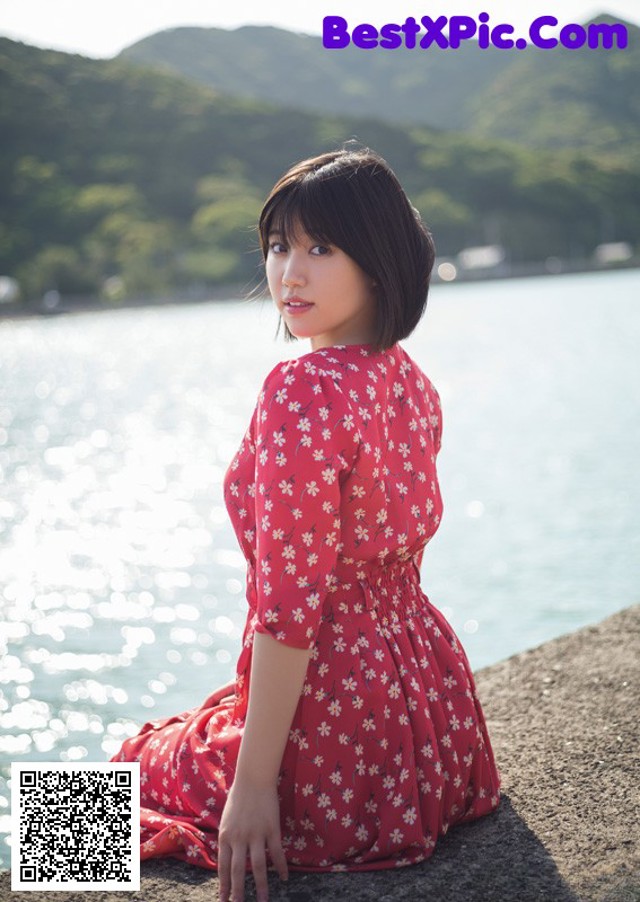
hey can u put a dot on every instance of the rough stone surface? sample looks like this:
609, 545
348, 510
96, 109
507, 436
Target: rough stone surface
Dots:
563, 718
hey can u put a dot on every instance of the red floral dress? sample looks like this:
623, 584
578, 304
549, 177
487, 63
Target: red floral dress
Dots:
333, 495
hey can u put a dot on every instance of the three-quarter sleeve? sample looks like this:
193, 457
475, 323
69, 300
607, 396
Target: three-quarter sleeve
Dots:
306, 443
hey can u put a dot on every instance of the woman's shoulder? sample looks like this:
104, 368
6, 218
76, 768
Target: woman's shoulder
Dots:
422, 381
331, 372
320, 372
310, 398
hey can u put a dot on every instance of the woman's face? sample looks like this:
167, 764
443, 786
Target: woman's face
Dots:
332, 299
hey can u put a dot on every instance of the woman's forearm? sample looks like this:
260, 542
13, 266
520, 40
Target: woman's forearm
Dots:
277, 676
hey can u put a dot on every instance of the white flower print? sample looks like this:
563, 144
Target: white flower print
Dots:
334, 490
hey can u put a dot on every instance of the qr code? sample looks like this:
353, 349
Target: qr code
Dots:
75, 826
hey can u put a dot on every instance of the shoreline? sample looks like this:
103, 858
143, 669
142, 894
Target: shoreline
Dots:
564, 729
241, 291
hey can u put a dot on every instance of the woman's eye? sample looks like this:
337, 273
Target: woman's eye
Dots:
277, 247
320, 250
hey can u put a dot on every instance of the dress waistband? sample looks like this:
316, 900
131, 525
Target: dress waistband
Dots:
390, 584
382, 586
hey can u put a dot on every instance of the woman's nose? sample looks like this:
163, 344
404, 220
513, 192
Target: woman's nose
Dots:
293, 273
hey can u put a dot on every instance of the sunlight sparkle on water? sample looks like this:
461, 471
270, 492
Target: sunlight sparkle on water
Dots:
68, 661
121, 575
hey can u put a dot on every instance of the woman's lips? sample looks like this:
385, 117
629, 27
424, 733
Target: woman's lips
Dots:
296, 306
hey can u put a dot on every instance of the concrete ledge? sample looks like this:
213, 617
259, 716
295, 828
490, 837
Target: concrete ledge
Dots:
564, 723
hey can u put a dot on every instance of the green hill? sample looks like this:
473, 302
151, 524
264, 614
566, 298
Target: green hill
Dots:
584, 99
266, 63
566, 98
120, 178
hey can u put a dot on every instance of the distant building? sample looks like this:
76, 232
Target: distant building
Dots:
487, 256
613, 252
9, 290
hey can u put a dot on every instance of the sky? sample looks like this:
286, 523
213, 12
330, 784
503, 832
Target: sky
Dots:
104, 29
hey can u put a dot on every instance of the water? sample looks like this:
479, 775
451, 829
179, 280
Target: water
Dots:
122, 583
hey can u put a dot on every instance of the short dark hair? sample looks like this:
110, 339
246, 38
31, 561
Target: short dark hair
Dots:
353, 200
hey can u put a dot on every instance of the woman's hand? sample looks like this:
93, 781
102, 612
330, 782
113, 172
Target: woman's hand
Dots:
251, 816
250, 821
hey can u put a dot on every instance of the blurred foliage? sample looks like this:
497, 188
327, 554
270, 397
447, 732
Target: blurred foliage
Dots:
116, 180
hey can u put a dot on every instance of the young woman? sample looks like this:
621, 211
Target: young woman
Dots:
352, 735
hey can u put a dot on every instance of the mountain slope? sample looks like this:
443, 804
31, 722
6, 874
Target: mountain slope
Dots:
111, 170
582, 99
295, 70
566, 99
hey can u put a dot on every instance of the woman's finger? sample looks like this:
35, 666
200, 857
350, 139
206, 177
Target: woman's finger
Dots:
224, 873
238, 871
259, 868
278, 857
